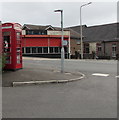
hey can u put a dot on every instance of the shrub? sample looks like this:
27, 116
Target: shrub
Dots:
2, 61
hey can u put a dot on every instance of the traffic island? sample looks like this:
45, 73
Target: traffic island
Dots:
36, 76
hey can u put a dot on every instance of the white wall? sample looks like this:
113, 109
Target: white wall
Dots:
58, 32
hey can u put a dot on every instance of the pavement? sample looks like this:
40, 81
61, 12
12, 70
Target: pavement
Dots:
91, 60
35, 76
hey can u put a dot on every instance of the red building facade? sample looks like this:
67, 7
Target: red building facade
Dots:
43, 45
40, 43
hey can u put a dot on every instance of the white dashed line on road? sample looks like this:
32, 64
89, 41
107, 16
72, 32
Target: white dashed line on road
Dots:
100, 74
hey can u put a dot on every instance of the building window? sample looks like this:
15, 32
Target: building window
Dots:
39, 49
78, 42
66, 49
99, 48
87, 50
43, 33
34, 50
60, 49
45, 50
114, 47
32, 32
56, 50
36, 32
29, 32
28, 50
51, 50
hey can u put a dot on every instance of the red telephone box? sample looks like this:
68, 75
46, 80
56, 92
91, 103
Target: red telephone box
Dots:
12, 35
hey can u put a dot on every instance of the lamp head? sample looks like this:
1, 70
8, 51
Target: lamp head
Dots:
89, 3
86, 4
58, 10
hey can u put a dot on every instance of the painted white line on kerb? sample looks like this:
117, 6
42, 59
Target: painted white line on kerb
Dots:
100, 74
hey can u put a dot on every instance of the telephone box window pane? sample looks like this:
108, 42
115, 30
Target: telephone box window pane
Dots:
18, 56
7, 50
18, 42
18, 59
6, 33
6, 41
28, 50
45, 50
18, 53
18, 49
19, 45
8, 60
18, 35
40, 50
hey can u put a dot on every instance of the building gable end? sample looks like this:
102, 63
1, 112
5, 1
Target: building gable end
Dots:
49, 27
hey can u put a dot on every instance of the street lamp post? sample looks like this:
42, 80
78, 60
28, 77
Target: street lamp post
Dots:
81, 28
62, 49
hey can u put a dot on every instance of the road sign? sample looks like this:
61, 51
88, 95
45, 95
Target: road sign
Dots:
65, 42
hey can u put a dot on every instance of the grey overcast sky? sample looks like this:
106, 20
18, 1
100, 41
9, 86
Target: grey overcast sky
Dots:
42, 13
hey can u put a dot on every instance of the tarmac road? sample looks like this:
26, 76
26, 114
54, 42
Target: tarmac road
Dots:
95, 96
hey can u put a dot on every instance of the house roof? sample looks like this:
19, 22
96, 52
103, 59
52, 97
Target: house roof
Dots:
73, 33
36, 27
107, 32
77, 28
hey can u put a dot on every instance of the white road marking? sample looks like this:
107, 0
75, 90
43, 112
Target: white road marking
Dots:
100, 74
117, 76
33, 58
